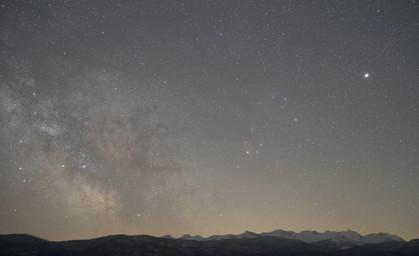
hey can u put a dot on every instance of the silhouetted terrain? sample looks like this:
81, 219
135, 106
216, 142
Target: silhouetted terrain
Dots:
148, 245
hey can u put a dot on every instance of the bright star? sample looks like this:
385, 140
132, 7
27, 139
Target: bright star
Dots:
366, 75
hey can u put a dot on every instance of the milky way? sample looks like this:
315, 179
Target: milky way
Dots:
208, 117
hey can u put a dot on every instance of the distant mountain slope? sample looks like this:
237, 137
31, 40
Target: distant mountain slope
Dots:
246, 244
348, 238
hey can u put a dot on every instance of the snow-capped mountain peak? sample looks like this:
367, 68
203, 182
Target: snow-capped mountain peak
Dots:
247, 234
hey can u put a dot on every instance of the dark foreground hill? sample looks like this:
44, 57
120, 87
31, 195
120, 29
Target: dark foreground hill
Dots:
148, 245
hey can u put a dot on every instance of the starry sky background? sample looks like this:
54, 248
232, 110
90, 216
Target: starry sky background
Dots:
208, 117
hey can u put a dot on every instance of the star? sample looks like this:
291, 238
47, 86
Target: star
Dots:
366, 75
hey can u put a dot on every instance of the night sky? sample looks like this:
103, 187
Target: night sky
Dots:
208, 117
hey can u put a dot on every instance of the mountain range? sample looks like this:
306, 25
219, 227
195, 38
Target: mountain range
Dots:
345, 238
278, 242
